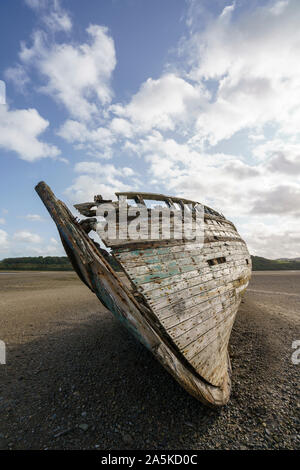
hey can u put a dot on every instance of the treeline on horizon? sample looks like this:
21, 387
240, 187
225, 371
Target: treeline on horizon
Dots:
44, 263
263, 264
37, 263
62, 263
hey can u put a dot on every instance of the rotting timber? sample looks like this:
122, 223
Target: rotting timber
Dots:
178, 297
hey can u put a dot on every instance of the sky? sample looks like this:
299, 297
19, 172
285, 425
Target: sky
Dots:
192, 98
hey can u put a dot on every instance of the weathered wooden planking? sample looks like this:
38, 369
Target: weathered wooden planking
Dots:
208, 310
199, 334
154, 290
213, 361
129, 253
186, 306
199, 325
145, 275
210, 332
190, 308
215, 341
215, 346
198, 289
198, 257
159, 255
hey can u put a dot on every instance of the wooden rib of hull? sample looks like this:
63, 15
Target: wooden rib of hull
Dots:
177, 304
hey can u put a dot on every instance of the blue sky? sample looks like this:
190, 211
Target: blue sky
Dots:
193, 98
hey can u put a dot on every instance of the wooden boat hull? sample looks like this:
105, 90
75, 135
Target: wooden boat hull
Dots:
181, 308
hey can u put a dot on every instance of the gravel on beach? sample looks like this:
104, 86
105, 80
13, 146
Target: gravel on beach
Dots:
76, 379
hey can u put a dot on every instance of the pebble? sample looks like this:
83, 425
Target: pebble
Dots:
127, 439
83, 426
3, 443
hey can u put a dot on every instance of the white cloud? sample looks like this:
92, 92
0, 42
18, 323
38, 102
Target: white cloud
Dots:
282, 199
18, 76
28, 237
96, 178
108, 171
85, 187
256, 137
19, 132
37, 50
53, 248
283, 164
278, 7
253, 60
26, 243
227, 182
52, 14
58, 20
34, 217
274, 146
36, 4
162, 104
2, 220
4, 243
122, 127
74, 131
227, 12
77, 75
95, 141
274, 237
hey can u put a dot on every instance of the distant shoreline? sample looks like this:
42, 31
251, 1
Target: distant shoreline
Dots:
9, 271
62, 263
2, 270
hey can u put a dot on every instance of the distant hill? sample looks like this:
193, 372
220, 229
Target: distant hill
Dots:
264, 264
288, 259
36, 263
62, 263
44, 263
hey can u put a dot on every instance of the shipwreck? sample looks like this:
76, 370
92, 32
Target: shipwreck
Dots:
176, 293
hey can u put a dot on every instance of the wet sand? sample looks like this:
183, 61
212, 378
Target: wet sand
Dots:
76, 379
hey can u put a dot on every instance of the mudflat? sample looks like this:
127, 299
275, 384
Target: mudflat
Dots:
74, 378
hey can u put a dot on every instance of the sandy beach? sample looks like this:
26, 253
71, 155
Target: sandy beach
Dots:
76, 379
